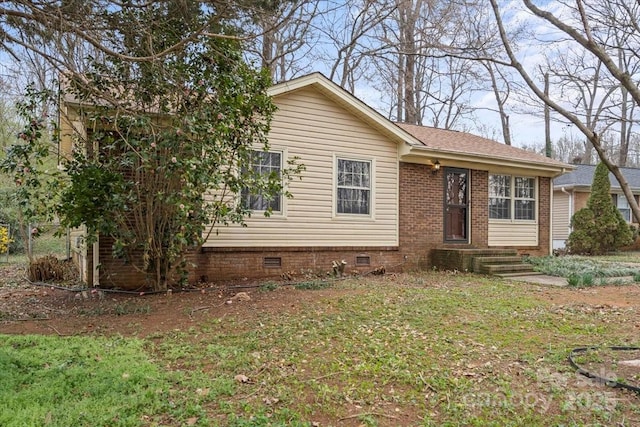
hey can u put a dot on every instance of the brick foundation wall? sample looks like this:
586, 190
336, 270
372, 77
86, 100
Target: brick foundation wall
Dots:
217, 265
235, 264
116, 273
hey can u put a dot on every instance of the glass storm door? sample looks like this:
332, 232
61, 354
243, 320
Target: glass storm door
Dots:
456, 196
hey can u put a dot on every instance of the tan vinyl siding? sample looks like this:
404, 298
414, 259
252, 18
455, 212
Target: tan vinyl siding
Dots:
507, 233
318, 131
70, 127
561, 216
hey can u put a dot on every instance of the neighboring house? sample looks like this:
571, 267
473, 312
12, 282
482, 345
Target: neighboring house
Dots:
374, 193
571, 192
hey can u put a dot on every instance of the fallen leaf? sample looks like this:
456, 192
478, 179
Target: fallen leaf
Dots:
271, 400
241, 378
202, 391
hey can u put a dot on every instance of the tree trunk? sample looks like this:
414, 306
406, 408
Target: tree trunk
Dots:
504, 118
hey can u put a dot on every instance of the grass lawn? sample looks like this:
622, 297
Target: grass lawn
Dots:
429, 349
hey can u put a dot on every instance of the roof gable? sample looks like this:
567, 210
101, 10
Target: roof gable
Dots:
346, 100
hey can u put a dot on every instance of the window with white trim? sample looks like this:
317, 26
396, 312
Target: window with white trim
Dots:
353, 192
621, 202
512, 197
500, 196
264, 163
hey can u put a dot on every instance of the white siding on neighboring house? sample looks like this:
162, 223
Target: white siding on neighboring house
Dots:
561, 214
513, 233
318, 131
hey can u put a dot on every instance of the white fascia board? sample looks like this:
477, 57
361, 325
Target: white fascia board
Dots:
443, 155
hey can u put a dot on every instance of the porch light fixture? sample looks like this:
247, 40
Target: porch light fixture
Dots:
435, 167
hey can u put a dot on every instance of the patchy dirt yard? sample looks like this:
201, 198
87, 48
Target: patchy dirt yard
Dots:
45, 309
541, 373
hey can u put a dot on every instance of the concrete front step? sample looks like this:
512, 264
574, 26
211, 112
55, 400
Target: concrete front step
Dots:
506, 268
461, 259
479, 262
519, 274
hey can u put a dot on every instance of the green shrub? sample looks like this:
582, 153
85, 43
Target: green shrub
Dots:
573, 280
599, 228
313, 285
635, 232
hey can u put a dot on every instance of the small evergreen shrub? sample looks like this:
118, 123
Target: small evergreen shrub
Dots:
599, 228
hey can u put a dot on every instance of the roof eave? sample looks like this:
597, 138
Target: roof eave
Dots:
429, 155
587, 188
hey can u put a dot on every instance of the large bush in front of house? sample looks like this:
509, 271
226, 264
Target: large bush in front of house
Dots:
599, 227
167, 141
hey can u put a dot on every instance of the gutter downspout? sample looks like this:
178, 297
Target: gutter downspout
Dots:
570, 194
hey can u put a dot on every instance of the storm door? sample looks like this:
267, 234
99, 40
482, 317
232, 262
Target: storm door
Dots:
456, 197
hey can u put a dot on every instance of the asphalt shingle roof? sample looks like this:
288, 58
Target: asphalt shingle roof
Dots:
583, 176
462, 142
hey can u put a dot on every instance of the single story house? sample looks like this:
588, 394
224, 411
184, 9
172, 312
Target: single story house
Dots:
572, 190
374, 193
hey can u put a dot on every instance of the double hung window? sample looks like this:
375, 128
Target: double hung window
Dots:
264, 163
353, 192
512, 197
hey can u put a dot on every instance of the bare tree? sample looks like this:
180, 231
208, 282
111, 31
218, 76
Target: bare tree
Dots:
445, 86
586, 26
584, 84
568, 148
501, 94
349, 29
281, 35
421, 85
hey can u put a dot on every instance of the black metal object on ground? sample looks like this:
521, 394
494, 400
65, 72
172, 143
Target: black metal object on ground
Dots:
608, 381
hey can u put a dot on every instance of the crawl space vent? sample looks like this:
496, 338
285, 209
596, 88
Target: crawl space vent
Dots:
272, 262
363, 260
